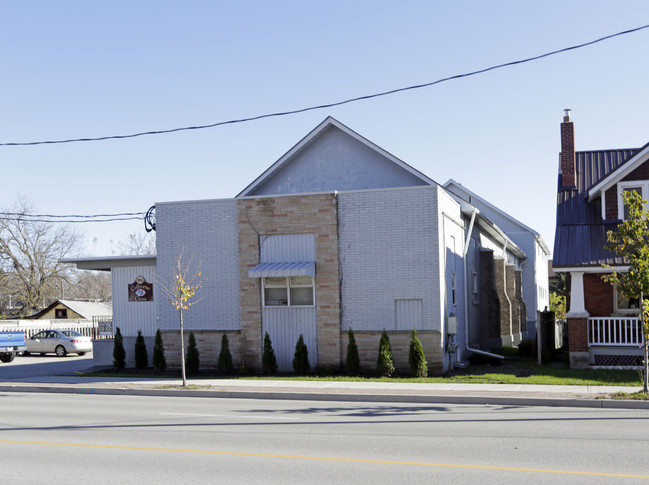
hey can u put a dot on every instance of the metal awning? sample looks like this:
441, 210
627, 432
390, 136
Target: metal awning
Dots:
264, 270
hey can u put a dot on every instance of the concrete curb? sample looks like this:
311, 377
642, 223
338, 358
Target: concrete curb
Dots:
320, 395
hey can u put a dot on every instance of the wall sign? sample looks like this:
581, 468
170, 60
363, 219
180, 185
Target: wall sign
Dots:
140, 290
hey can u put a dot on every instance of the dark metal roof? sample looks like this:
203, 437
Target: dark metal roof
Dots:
581, 233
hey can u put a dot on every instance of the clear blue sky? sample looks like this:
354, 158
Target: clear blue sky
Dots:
87, 69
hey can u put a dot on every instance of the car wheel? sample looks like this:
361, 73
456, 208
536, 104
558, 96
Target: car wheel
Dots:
60, 351
81, 353
7, 357
25, 353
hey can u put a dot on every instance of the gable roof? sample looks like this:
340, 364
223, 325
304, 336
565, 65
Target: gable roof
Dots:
634, 161
461, 191
290, 157
580, 232
86, 309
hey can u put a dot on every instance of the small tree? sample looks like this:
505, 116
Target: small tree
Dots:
384, 363
159, 361
119, 354
141, 356
631, 240
352, 363
268, 359
225, 364
416, 357
193, 356
180, 290
301, 365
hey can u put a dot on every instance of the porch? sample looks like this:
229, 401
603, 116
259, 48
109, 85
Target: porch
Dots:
615, 341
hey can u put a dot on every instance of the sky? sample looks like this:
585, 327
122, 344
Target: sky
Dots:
78, 69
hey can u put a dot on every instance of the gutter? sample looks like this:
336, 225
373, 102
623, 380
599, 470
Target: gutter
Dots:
466, 209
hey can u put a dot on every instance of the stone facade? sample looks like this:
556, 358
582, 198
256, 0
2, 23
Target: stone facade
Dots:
208, 344
303, 214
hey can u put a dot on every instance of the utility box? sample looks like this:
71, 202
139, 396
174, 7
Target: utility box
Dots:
451, 324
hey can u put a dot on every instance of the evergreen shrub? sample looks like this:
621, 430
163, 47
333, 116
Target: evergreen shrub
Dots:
192, 362
225, 364
416, 357
159, 361
119, 354
352, 363
301, 364
384, 362
268, 359
141, 356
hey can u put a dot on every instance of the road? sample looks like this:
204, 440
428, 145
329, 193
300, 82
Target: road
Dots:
58, 438
32, 367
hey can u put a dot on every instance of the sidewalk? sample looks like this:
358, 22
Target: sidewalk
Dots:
486, 394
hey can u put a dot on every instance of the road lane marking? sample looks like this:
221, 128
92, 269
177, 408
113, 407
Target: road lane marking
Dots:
228, 416
332, 459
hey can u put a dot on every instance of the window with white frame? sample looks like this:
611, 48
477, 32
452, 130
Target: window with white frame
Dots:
641, 187
624, 304
289, 291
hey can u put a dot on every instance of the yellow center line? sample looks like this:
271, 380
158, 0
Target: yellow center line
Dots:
332, 459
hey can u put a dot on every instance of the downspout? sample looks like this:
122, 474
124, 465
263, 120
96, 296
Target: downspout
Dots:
474, 212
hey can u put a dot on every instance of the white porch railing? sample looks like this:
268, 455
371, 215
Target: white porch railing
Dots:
614, 331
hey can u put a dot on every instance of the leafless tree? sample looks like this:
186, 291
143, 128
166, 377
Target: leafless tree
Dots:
135, 244
30, 252
90, 285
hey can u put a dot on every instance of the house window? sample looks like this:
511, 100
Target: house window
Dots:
641, 188
624, 304
288, 291
61, 313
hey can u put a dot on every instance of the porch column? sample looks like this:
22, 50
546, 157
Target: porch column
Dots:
577, 319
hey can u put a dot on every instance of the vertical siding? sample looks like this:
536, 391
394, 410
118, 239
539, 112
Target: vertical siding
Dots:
287, 248
131, 316
284, 326
408, 314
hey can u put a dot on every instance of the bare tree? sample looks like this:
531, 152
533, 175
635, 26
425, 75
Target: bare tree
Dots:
180, 291
135, 244
90, 285
30, 252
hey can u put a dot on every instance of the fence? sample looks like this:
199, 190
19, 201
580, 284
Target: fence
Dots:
615, 331
32, 327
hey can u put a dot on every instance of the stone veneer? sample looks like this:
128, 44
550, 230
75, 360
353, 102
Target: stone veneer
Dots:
302, 214
208, 343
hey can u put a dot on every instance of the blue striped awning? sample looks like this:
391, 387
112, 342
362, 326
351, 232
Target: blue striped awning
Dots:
264, 270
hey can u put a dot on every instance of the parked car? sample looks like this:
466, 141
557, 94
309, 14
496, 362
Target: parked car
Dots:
60, 342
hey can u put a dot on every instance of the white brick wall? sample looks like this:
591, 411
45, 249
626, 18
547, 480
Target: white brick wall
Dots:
389, 244
207, 231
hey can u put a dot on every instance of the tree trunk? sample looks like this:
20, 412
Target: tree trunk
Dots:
182, 349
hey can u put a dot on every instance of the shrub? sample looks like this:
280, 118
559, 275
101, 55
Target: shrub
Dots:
301, 364
268, 359
193, 356
526, 348
225, 364
141, 356
384, 363
119, 354
416, 357
352, 363
159, 361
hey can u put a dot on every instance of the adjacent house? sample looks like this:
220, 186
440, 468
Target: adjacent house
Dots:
73, 310
337, 234
603, 328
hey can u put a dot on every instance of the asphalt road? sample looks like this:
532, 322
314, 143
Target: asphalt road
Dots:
33, 366
114, 439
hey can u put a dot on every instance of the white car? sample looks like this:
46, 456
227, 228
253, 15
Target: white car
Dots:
60, 342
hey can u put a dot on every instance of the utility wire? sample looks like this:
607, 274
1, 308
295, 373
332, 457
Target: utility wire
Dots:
337, 103
70, 219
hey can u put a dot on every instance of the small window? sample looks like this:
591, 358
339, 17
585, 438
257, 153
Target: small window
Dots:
638, 187
288, 291
61, 313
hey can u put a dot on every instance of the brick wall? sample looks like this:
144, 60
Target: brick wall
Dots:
489, 300
505, 303
578, 331
567, 154
304, 214
598, 295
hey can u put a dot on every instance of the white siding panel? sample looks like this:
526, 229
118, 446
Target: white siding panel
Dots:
287, 248
408, 314
284, 326
131, 316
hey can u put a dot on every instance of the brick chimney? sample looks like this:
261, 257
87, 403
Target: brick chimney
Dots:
567, 165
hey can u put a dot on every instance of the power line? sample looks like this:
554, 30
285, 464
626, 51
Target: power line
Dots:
71, 219
337, 103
